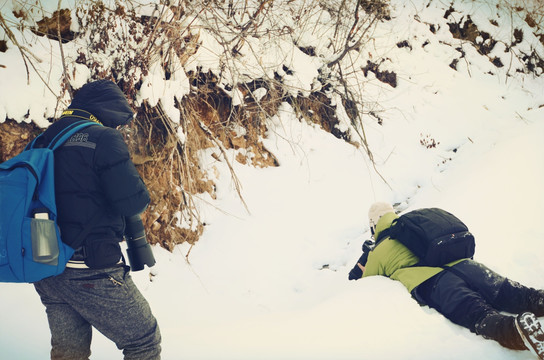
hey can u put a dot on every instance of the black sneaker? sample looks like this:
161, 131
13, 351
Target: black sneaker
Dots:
531, 332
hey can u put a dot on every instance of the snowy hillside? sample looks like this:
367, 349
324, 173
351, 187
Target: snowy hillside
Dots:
453, 131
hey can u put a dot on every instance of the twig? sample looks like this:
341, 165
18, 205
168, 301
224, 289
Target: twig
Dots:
362, 134
65, 79
11, 36
25, 54
243, 31
349, 38
224, 153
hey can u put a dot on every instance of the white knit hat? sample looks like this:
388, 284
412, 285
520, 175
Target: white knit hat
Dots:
376, 211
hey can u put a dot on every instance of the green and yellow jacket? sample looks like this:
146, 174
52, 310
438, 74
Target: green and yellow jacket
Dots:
392, 259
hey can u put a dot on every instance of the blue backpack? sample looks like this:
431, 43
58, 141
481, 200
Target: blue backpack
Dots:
30, 244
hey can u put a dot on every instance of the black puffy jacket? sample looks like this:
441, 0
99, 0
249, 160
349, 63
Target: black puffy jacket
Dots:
96, 183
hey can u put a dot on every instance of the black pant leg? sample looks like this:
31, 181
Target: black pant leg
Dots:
501, 293
480, 278
458, 301
453, 298
516, 299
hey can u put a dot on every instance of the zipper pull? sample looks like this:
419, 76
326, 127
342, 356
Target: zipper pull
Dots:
115, 282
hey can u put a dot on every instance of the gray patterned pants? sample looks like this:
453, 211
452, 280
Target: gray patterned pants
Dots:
107, 299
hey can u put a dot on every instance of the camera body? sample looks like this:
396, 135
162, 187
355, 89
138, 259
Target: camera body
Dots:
368, 245
356, 272
138, 249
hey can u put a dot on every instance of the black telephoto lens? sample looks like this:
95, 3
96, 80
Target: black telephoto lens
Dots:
138, 249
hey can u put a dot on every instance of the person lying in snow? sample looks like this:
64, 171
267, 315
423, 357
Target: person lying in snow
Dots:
469, 294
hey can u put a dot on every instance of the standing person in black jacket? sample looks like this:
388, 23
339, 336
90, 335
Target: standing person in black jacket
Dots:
99, 195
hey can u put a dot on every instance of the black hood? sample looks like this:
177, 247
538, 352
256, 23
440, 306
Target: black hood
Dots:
106, 101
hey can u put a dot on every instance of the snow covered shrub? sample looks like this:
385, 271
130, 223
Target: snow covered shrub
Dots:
205, 77
378, 7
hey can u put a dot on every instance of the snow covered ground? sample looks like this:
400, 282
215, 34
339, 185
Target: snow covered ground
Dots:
272, 283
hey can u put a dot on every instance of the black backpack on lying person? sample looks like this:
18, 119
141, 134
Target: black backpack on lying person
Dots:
435, 236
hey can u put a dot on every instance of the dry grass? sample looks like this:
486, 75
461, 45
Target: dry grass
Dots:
532, 11
170, 165
14, 137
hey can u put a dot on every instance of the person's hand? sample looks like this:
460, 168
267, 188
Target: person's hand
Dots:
363, 259
361, 267
356, 273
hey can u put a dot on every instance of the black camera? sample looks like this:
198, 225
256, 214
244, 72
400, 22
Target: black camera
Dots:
138, 249
368, 245
356, 272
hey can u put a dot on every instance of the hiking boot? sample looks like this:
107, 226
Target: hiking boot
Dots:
531, 332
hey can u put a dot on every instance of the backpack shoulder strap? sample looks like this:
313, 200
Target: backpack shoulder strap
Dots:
389, 231
383, 234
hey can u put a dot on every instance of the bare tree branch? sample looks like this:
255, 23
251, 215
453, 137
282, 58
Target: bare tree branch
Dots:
65, 79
